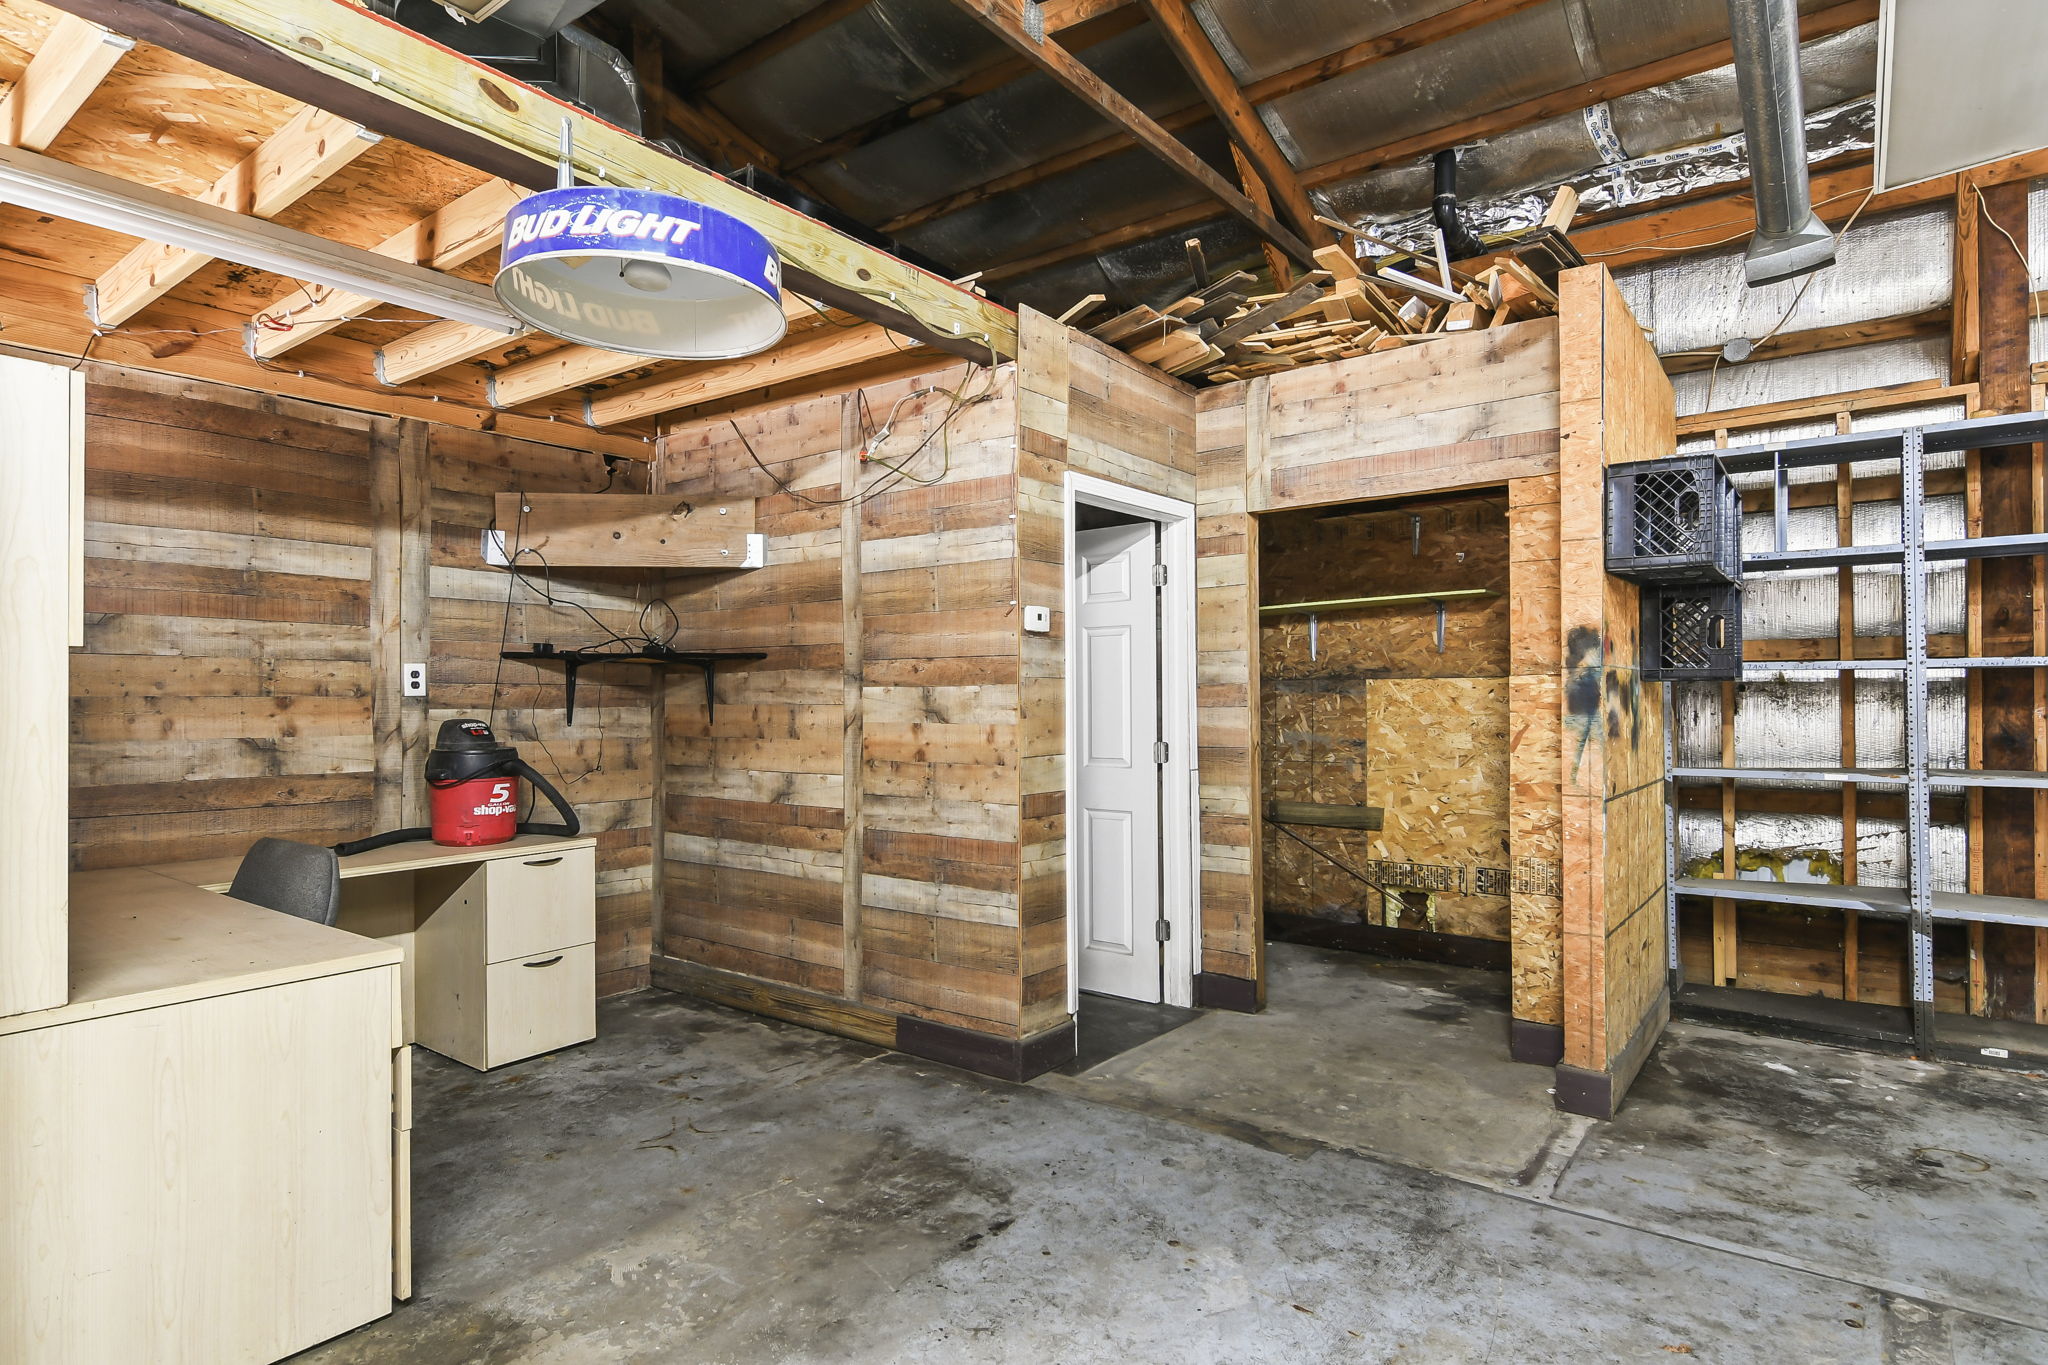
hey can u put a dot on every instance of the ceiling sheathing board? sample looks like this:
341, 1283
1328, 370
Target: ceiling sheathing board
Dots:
1024, 123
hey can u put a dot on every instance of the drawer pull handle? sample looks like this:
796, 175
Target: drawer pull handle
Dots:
544, 962
544, 862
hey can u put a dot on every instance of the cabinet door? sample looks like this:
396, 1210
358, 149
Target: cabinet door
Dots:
41, 541
540, 902
212, 1181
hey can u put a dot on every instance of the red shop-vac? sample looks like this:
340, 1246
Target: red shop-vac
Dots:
473, 793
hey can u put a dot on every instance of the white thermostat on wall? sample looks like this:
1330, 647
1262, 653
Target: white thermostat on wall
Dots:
1038, 620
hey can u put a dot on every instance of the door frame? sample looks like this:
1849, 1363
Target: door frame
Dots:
1180, 811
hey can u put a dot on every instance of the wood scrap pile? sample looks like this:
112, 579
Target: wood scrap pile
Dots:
1220, 331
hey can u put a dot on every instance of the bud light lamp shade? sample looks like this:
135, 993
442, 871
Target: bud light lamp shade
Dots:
641, 272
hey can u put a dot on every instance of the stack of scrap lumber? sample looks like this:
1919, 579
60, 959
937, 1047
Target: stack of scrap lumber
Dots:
1220, 331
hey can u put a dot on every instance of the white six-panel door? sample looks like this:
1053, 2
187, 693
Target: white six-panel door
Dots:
1113, 835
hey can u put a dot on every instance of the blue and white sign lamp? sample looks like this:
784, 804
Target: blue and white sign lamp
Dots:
641, 271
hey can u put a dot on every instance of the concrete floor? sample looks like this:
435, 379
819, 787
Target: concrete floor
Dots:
1352, 1176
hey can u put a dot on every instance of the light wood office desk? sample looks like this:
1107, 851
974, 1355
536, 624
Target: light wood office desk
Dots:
500, 942
204, 1154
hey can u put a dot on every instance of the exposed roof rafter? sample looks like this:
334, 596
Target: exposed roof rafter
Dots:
59, 79
818, 353
291, 162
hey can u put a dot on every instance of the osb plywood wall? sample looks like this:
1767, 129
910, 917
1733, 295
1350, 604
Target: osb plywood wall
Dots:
851, 819
1375, 715
257, 571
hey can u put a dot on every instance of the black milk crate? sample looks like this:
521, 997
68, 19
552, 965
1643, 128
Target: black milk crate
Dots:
1692, 633
1674, 521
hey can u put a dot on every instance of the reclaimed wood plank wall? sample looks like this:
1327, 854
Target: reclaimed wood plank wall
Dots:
257, 571
848, 822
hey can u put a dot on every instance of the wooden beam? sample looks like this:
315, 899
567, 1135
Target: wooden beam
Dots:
626, 530
1933, 322
1358, 55
813, 355
571, 367
289, 163
991, 77
1061, 15
435, 348
1571, 99
389, 79
1191, 46
809, 24
450, 236
1002, 18
58, 81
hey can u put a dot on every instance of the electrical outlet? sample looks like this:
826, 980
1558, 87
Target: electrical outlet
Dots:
1038, 620
415, 680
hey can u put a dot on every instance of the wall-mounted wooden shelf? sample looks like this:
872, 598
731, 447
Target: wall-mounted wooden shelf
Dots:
628, 530
574, 659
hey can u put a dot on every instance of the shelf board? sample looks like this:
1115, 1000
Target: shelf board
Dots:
1960, 905
1992, 661
1870, 900
1875, 776
1821, 450
1761, 666
1387, 600
1987, 547
1985, 433
1831, 557
1986, 777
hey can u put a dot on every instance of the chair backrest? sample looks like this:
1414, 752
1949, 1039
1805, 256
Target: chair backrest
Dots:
295, 879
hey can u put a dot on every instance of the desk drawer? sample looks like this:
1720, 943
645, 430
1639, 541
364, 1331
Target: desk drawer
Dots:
539, 902
541, 1002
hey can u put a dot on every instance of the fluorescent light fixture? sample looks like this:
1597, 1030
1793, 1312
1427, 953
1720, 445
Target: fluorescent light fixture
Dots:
45, 185
1957, 86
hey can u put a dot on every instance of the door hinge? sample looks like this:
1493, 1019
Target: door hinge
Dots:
1162, 929
1158, 575
1159, 752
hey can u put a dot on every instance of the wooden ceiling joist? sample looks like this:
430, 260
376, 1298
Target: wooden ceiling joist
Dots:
59, 79
365, 68
432, 349
1190, 44
289, 164
450, 236
819, 353
571, 367
1407, 38
1002, 18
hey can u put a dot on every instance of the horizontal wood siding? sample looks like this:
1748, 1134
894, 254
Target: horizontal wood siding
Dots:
257, 571
848, 820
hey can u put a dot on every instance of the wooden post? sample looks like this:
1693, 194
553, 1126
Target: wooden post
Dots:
1993, 305
853, 739
401, 513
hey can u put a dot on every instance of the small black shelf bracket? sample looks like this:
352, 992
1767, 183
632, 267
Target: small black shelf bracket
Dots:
706, 661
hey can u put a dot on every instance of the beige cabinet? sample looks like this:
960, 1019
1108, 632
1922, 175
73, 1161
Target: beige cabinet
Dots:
505, 956
203, 1156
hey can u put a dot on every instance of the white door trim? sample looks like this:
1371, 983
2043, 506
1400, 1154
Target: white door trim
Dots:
1180, 810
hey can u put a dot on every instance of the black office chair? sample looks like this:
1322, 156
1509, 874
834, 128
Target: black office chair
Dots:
293, 879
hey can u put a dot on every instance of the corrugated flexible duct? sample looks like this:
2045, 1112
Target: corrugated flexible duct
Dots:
1790, 238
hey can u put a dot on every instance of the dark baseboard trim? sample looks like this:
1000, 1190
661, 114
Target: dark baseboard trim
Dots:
1598, 1094
1419, 945
1534, 1043
1214, 991
1007, 1059
1010, 1059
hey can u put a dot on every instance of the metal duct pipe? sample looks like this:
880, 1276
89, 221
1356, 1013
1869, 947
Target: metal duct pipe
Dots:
1790, 238
1444, 208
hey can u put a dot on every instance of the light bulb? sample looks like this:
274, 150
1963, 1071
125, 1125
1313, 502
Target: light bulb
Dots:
649, 277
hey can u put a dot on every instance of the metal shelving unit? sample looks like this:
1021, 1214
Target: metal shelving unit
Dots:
1917, 903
